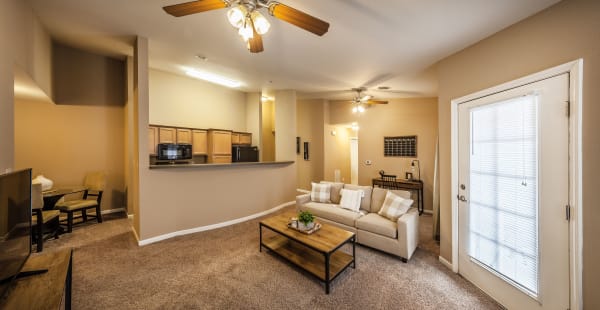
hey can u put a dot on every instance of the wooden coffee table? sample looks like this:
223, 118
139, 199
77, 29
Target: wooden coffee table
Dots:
317, 253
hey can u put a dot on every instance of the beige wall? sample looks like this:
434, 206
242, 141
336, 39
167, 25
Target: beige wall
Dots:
187, 102
65, 142
400, 117
267, 137
310, 125
253, 117
285, 125
83, 78
26, 44
567, 31
337, 152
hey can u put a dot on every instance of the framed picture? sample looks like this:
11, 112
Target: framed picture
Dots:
306, 151
409, 176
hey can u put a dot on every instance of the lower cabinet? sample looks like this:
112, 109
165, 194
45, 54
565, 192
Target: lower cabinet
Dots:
219, 159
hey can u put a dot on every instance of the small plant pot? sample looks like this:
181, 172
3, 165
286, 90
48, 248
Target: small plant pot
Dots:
308, 226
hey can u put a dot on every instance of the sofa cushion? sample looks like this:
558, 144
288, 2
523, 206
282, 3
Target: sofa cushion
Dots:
335, 191
320, 192
378, 197
351, 199
331, 212
377, 224
365, 203
394, 206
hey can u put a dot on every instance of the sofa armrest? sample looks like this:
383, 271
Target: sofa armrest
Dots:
302, 199
408, 231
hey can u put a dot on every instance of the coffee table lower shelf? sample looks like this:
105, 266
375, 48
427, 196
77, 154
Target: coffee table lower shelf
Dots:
309, 260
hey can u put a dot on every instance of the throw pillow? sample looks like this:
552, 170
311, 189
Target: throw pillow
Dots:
394, 206
335, 191
350, 199
320, 192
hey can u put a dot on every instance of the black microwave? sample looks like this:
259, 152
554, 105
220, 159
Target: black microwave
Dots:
173, 151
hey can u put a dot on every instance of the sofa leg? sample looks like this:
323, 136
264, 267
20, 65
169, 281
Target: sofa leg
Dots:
404, 260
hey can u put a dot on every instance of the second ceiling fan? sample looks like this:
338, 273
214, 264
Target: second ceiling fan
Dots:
251, 24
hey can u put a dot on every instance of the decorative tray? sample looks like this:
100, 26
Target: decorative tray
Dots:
308, 232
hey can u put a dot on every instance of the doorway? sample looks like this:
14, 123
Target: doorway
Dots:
516, 181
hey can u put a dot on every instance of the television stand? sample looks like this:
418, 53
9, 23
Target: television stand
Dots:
43, 281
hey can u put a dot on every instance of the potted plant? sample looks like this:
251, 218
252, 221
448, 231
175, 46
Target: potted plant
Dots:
306, 220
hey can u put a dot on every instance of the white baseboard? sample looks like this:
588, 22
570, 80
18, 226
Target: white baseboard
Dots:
213, 226
113, 211
445, 262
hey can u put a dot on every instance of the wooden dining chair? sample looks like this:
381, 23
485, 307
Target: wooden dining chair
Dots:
92, 197
45, 223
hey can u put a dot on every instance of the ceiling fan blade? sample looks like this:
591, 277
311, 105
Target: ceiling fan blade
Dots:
255, 45
192, 7
299, 18
376, 102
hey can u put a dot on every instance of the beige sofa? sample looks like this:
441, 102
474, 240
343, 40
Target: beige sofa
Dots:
399, 238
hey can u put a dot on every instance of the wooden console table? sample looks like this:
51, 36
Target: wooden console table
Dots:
407, 185
45, 290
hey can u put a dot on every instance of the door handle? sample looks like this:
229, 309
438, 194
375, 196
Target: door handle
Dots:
461, 198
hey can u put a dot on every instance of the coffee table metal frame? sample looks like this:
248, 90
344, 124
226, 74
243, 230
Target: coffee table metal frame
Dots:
326, 254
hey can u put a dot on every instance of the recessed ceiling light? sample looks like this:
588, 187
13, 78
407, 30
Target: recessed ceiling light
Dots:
213, 78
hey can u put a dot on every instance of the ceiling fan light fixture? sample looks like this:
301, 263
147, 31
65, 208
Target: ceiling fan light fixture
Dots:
237, 16
361, 109
261, 24
246, 31
354, 109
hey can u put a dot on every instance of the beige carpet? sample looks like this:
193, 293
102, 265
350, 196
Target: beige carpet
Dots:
223, 269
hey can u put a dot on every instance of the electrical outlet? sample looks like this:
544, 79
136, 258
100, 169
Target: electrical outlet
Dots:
368, 162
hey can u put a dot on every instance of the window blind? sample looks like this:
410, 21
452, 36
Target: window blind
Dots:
503, 209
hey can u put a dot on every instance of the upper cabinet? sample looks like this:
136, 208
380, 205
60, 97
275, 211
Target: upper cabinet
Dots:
241, 138
167, 135
152, 140
199, 142
219, 146
184, 135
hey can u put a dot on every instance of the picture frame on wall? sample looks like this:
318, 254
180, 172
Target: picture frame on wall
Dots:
306, 154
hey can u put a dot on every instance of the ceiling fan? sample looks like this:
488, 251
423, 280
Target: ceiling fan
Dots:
251, 24
360, 101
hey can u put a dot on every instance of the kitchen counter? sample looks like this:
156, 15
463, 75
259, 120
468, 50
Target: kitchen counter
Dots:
244, 164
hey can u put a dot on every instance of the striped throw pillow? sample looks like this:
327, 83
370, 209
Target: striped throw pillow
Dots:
394, 206
320, 192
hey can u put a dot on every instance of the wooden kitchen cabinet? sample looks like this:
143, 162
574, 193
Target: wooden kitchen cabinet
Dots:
241, 138
167, 135
152, 140
235, 138
219, 146
184, 135
246, 138
199, 142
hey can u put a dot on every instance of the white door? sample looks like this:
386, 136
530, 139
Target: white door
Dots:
514, 187
353, 161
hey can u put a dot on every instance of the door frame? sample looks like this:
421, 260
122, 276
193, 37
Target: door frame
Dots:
575, 70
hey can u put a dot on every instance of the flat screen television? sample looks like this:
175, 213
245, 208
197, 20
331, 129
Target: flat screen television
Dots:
15, 225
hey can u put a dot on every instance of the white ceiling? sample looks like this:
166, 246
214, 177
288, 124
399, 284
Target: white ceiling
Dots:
372, 43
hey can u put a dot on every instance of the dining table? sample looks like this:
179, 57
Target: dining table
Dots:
52, 196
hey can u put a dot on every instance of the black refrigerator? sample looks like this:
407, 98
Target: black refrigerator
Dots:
244, 154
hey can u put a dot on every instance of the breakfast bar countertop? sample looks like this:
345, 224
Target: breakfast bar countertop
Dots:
240, 164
